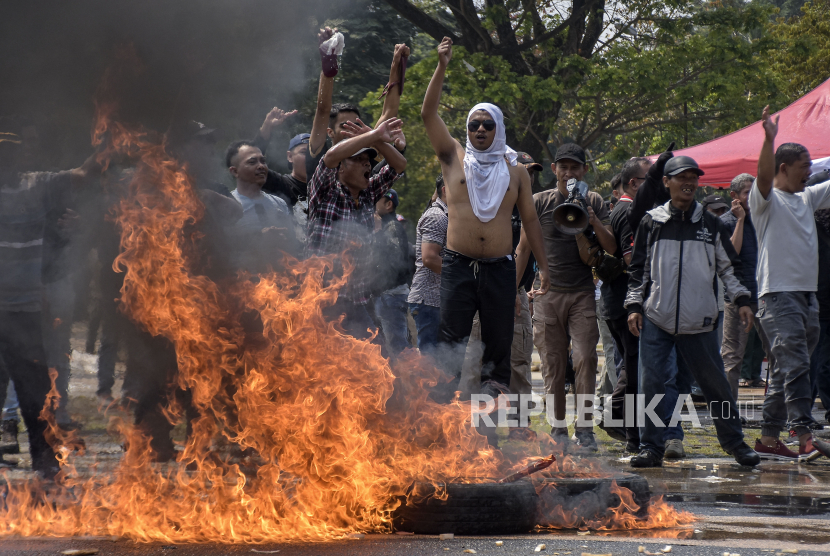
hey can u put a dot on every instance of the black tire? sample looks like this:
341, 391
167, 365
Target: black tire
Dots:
571, 488
471, 509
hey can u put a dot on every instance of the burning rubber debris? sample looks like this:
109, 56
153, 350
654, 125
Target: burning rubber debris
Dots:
335, 438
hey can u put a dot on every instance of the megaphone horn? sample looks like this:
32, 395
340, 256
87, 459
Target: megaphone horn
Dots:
570, 218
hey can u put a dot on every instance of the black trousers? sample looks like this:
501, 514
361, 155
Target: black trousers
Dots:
629, 345
24, 359
489, 287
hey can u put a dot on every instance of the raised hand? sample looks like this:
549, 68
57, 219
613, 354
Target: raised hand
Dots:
445, 51
353, 129
386, 131
400, 139
325, 34
770, 126
400, 50
273, 119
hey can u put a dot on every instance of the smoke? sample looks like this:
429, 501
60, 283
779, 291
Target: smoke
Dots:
222, 62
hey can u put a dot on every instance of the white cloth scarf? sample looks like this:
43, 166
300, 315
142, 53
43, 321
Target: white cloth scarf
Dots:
486, 171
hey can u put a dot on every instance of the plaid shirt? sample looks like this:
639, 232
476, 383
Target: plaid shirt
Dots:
335, 221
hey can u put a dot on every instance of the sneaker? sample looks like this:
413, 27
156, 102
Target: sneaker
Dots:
8, 437
585, 441
674, 449
813, 449
646, 458
745, 455
780, 452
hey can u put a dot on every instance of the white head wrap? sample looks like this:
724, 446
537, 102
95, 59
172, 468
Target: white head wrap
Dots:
486, 171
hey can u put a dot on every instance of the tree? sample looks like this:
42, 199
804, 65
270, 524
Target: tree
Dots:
601, 69
802, 59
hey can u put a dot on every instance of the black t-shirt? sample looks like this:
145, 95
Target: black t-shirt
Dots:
285, 186
613, 293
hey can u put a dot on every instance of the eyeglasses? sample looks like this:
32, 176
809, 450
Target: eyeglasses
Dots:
473, 125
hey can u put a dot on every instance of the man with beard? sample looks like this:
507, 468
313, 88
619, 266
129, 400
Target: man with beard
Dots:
478, 272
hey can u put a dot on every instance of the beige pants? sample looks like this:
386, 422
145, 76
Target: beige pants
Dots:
559, 320
735, 338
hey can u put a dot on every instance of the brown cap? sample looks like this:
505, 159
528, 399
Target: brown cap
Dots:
528, 161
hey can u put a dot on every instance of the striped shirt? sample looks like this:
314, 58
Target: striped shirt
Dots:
432, 228
23, 211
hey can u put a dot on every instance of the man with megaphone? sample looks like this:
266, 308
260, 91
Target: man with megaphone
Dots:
567, 314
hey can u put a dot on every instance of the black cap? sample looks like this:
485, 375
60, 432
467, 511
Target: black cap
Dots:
528, 161
679, 164
571, 151
715, 201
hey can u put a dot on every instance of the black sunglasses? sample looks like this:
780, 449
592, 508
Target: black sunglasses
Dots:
489, 125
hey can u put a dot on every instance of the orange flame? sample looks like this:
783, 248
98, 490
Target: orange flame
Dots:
336, 434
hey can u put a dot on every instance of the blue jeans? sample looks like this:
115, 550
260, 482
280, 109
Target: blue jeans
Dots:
11, 405
427, 320
390, 309
701, 353
678, 382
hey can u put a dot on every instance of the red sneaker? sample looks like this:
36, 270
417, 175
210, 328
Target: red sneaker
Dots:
780, 452
813, 449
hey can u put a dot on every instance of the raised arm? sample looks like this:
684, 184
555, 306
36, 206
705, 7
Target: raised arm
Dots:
384, 133
392, 99
273, 120
442, 142
321, 115
391, 154
766, 161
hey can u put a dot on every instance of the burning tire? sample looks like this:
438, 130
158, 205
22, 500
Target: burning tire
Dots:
469, 509
567, 502
574, 486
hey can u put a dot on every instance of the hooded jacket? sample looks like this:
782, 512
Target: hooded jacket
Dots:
673, 265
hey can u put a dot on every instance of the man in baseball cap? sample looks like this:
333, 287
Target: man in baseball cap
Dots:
567, 313
715, 204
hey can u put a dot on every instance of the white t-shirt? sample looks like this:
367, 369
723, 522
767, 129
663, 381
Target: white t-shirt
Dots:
787, 240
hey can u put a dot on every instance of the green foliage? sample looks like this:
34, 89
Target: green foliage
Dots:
802, 58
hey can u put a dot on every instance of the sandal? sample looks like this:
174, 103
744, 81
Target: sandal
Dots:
743, 383
758, 383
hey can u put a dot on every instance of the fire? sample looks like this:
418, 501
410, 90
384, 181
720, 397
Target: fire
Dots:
336, 434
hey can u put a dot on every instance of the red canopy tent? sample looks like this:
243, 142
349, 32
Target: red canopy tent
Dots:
806, 121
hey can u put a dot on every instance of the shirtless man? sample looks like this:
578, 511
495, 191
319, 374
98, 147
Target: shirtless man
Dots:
478, 272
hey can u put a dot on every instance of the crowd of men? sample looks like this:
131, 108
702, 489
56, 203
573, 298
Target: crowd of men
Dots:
692, 295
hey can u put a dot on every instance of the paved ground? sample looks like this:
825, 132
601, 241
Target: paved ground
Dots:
740, 511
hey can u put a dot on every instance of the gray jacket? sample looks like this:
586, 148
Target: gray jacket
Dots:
672, 273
